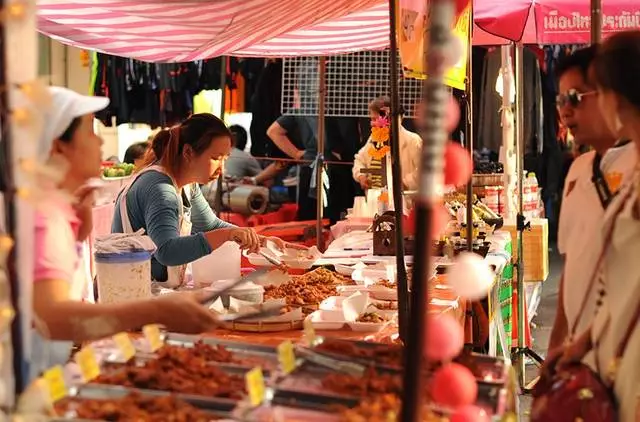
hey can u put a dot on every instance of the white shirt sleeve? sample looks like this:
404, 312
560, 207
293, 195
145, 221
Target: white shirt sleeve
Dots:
360, 161
410, 153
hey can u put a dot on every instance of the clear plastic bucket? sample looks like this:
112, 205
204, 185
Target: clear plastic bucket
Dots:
123, 276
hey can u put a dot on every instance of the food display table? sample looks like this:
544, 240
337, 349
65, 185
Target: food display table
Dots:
352, 244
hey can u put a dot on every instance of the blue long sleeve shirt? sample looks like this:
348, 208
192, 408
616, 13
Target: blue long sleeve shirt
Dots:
152, 205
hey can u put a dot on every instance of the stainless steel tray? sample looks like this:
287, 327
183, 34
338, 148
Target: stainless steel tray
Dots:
267, 354
218, 408
240, 371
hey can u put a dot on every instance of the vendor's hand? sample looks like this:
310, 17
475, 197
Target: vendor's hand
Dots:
299, 155
364, 181
83, 206
183, 312
246, 238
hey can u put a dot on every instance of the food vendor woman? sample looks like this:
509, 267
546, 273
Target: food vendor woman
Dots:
371, 155
69, 147
164, 199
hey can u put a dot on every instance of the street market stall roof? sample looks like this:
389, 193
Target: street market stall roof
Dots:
197, 29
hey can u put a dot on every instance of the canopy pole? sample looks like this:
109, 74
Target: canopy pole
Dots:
8, 183
322, 69
396, 174
435, 98
217, 200
469, 127
596, 21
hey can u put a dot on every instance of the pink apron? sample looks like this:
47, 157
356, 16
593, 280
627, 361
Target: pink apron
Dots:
177, 275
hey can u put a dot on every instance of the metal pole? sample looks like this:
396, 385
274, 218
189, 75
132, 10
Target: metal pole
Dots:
469, 136
396, 172
433, 132
596, 21
217, 200
519, 71
322, 68
11, 220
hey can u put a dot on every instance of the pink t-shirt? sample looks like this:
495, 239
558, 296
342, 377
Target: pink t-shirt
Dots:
56, 245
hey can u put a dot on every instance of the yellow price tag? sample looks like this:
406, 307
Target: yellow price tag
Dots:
255, 386
54, 378
124, 343
88, 363
309, 331
287, 357
153, 336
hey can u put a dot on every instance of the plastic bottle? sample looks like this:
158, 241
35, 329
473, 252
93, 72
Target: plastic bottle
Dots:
526, 196
535, 195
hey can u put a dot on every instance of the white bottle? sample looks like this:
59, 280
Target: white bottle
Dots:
535, 195
526, 196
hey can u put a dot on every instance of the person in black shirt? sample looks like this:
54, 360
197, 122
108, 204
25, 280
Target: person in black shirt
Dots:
296, 137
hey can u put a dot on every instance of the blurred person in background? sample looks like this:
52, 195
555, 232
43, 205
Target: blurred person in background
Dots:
135, 153
591, 182
240, 163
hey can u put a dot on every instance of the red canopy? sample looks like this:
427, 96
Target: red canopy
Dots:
553, 21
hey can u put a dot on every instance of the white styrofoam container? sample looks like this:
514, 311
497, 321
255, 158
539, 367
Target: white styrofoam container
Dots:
221, 264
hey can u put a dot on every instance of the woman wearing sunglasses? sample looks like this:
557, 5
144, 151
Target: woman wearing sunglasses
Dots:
614, 337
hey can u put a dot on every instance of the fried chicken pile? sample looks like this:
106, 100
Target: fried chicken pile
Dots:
371, 317
217, 353
179, 371
387, 355
382, 408
386, 283
134, 407
371, 383
306, 290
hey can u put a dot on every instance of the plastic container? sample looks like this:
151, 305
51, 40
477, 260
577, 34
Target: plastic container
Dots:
247, 292
123, 276
221, 264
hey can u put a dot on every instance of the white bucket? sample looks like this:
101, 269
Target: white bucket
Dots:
123, 276
221, 264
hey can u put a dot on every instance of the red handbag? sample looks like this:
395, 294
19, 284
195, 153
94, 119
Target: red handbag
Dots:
576, 393
573, 394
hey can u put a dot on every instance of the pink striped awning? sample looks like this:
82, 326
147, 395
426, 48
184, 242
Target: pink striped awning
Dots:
185, 30
196, 29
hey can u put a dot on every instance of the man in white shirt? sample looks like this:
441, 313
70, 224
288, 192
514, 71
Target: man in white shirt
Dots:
594, 177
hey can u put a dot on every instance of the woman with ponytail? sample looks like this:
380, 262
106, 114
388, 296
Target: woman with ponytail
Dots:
164, 199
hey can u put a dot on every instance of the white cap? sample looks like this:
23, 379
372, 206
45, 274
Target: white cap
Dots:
66, 105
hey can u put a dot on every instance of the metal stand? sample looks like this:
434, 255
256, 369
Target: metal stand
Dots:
521, 352
401, 269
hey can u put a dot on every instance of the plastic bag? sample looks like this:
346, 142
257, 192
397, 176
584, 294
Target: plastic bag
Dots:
124, 242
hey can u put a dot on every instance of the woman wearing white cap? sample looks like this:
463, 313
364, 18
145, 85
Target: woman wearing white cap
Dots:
62, 220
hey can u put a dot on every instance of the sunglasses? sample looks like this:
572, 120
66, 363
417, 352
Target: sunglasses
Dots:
572, 98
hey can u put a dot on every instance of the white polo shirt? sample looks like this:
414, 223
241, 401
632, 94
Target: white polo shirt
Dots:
580, 226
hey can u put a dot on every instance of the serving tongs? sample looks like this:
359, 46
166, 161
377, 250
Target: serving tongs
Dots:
349, 368
265, 312
275, 262
209, 299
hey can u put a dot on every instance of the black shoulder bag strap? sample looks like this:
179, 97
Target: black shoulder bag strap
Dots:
600, 182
